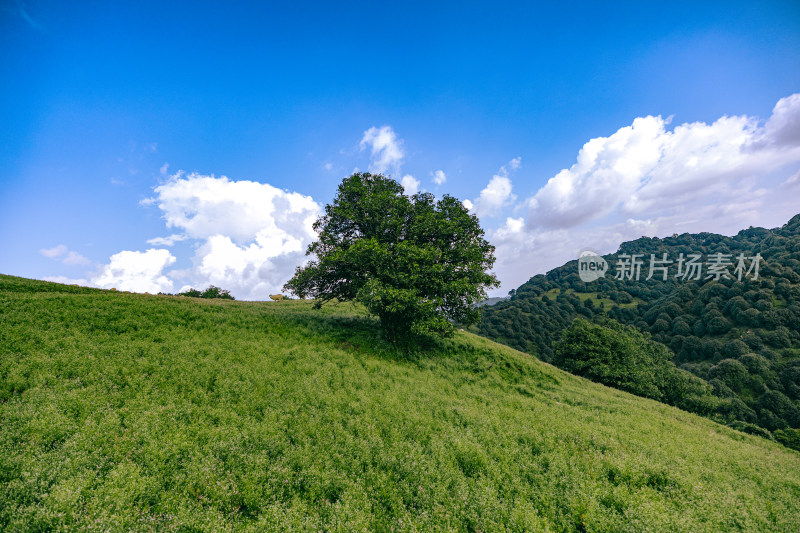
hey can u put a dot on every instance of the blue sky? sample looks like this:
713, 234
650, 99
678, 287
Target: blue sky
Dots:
217, 132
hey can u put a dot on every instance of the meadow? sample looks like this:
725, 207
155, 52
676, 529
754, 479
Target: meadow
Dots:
130, 412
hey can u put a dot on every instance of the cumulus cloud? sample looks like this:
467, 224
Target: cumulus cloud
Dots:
204, 206
783, 127
497, 194
512, 227
645, 167
386, 150
65, 255
410, 184
439, 177
648, 180
136, 271
249, 271
494, 196
250, 236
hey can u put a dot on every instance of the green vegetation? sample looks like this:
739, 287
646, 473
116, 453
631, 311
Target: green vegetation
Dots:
742, 337
211, 292
125, 412
622, 357
597, 298
418, 264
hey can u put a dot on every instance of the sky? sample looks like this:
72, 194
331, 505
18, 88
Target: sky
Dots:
156, 146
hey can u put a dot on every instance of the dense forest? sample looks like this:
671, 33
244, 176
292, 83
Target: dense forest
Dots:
735, 327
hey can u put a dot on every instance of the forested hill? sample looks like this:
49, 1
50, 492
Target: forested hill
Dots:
741, 335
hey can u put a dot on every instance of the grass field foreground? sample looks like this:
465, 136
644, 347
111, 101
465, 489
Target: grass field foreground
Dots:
127, 412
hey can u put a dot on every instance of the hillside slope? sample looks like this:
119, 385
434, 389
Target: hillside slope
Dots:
743, 336
125, 412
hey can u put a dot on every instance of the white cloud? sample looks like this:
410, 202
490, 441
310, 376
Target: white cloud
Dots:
250, 235
497, 194
65, 255
410, 184
248, 238
204, 206
386, 150
494, 197
646, 180
439, 177
54, 252
74, 258
69, 281
167, 241
783, 127
136, 271
252, 271
512, 227
468, 204
645, 167
608, 172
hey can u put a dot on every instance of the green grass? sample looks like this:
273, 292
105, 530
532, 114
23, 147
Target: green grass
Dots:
608, 303
124, 412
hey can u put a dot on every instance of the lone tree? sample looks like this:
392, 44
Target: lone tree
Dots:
417, 263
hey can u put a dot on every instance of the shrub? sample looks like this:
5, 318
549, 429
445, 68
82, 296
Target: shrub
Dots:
731, 372
210, 292
789, 437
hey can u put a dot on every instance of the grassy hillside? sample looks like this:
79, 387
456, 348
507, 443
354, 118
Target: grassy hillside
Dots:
124, 412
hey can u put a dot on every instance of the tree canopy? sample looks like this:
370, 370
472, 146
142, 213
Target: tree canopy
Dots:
417, 263
621, 356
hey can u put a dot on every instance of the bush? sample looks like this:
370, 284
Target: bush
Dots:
752, 429
735, 348
755, 364
211, 292
622, 357
731, 372
789, 437
608, 354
